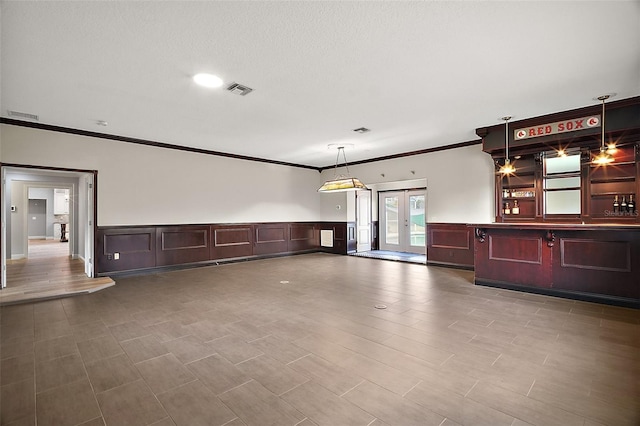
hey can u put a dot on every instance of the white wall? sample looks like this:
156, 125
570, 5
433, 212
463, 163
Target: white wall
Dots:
140, 185
459, 182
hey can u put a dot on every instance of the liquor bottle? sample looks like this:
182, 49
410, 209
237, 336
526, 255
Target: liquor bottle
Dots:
631, 205
505, 193
507, 209
516, 207
623, 205
616, 205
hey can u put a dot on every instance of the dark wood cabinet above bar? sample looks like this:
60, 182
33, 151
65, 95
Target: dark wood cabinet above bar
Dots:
584, 194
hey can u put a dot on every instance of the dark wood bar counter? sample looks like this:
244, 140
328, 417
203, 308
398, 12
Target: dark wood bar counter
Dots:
592, 262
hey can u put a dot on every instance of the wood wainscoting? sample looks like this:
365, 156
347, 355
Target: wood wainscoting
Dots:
133, 248
586, 262
450, 244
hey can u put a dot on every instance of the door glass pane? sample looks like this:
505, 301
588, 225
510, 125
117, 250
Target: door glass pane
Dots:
416, 220
391, 215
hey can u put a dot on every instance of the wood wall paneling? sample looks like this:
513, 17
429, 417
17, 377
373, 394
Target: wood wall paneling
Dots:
596, 263
450, 244
351, 237
231, 241
182, 245
134, 247
303, 236
515, 249
271, 238
613, 256
519, 257
599, 262
339, 230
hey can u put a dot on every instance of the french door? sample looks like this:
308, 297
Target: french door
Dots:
402, 221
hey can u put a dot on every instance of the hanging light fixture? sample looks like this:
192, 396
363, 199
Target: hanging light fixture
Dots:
342, 183
507, 168
604, 157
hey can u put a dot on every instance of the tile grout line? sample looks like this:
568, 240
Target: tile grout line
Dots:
412, 388
445, 361
295, 387
296, 423
494, 362
530, 388
259, 338
352, 388
298, 359
474, 385
235, 387
232, 420
248, 359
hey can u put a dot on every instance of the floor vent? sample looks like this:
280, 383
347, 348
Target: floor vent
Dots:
26, 115
239, 89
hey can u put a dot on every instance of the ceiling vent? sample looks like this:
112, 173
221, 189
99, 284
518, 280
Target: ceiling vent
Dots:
239, 89
26, 115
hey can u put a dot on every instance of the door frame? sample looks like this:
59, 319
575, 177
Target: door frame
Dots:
361, 245
92, 209
404, 237
25, 213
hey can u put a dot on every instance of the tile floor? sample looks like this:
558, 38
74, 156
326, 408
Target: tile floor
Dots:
297, 341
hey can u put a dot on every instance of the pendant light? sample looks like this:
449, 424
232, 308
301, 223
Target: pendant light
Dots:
604, 157
507, 168
342, 183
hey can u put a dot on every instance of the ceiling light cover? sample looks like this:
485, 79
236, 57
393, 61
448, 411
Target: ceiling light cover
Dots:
342, 183
208, 80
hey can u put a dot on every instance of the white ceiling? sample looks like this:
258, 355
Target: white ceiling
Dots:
418, 74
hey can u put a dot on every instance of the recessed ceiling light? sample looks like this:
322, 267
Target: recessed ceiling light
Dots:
208, 80
361, 130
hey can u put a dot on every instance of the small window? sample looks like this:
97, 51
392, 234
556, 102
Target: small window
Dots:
562, 184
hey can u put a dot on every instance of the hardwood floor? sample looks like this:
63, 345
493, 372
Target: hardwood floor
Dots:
48, 273
298, 341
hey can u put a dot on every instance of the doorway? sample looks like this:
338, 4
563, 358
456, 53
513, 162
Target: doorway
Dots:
402, 221
76, 211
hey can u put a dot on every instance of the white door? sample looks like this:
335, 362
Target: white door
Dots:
363, 220
88, 242
3, 233
402, 221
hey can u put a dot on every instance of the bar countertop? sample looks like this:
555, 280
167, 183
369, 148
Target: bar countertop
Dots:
559, 226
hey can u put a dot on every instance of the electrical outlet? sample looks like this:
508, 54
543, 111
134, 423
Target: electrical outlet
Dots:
116, 256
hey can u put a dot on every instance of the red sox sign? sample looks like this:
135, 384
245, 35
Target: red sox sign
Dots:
558, 127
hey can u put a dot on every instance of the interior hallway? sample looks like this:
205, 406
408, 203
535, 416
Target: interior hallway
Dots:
49, 272
297, 341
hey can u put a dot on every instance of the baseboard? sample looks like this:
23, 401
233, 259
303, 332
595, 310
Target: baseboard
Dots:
451, 265
18, 256
566, 294
219, 262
